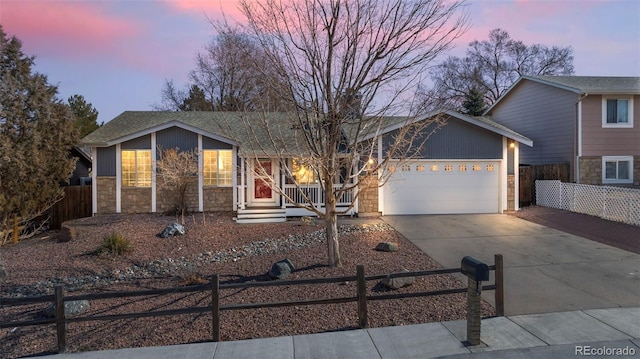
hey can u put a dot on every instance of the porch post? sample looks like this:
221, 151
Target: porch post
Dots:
242, 183
200, 176
234, 176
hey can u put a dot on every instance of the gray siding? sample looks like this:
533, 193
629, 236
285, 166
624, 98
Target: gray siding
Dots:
140, 143
545, 114
211, 144
106, 161
176, 137
458, 140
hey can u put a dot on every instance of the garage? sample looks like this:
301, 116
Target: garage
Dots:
443, 187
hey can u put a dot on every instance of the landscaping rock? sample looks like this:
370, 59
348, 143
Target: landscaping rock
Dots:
3, 271
70, 308
281, 269
387, 247
309, 221
173, 229
397, 283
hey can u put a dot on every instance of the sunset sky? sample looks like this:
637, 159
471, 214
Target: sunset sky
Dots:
117, 54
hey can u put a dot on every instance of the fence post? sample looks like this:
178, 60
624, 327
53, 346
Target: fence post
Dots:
215, 307
362, 298
61, 325
499, 292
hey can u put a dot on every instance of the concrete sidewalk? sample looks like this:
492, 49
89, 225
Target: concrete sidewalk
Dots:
549, 335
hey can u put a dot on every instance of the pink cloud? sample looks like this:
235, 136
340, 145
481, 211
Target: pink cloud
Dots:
214, 9
79, 29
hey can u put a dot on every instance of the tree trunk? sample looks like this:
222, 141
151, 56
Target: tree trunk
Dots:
333, 245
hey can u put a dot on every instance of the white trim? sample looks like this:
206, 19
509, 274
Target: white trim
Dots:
629, 124
503, 183
275, 170
243, 183
380, 188
516, 176
94, 180
200, 175
577, 164
234, 178
617, 159
154, 185
118, 179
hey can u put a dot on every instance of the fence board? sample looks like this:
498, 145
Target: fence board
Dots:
529, 175
75, 204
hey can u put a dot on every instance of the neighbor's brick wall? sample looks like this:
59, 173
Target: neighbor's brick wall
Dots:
590, 170
106, 194
135, 200
218, 199
511, 193
368, 197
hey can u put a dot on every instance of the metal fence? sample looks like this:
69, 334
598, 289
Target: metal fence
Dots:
612, 203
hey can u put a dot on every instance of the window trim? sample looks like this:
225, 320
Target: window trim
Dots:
137, 179
218, 160
628, 124
616, 159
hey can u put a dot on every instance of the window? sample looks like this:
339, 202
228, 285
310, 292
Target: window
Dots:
490, 168
303, 173
406, 168
617, 112
462, 168
136, 168
448, 168
420, 168
477, 168
617, 169
435, 168
217, 167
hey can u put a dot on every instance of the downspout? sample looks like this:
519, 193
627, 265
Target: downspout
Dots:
579, 132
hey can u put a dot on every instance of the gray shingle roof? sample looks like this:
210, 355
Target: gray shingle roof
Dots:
592, 84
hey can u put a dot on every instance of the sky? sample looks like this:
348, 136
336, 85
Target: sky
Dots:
118, 53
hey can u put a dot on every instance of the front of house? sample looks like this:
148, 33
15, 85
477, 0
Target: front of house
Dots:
467, 166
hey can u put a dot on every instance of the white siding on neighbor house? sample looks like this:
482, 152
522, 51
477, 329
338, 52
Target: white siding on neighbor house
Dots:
545, 114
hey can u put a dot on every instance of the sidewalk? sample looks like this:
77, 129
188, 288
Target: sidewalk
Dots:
549, 335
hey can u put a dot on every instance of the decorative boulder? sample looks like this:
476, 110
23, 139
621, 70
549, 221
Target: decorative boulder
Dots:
67, 233
71, 308
387, 247
397, 283
281, 269
309, 221
173, 229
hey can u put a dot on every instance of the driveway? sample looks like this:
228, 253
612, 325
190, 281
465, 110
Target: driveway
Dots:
546, 270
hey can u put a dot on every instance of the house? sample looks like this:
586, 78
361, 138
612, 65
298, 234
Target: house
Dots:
467, 166
588, 122
83, 167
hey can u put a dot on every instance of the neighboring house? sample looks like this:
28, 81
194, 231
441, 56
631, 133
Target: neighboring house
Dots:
82, 170
593, 123
467, 166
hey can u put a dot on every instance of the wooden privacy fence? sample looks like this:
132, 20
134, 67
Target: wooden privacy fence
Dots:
214, 287
75, 204
529, 175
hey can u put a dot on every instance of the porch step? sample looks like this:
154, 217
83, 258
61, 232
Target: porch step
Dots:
261, 215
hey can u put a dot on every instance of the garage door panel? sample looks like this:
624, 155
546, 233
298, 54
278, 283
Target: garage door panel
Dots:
475, 190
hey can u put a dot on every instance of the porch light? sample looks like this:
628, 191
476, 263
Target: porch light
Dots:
512, 144
370, 162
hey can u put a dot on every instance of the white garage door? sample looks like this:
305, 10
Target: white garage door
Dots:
430, 187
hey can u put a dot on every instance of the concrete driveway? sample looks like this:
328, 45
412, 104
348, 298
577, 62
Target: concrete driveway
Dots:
546, 270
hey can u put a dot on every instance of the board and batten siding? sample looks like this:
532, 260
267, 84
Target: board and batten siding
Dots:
176, 137
599, 141
545, 114
106, 161
212, 144
457, 140
139, 143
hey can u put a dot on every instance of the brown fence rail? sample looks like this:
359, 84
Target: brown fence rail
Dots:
214, 287
529, 175
75, 204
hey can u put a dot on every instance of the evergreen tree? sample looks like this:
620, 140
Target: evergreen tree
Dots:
473, 103
36, 133
196, 101
86, 116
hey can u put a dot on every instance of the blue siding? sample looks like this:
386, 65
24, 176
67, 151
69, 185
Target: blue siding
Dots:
176, 137
211, 144
140, 143
106, 161
458, 140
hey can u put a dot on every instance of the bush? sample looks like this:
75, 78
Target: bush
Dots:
115, 243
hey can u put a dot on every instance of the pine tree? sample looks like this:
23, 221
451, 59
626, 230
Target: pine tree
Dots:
36, 134
86, 116
473, 103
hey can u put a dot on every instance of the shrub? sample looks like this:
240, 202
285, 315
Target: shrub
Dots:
115, 243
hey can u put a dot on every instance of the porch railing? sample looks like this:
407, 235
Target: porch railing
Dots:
315, 194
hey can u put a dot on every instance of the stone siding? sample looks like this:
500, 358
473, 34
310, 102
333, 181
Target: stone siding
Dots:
218, 199
166, 197
511, 193
368, 195
590, 170
135, 200
106, 194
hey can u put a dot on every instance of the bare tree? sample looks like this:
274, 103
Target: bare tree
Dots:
176, 170
349, 66
492, 66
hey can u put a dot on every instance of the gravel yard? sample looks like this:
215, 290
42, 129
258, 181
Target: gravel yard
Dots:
214, 243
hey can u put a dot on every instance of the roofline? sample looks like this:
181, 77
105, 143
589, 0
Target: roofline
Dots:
468, 119
160, 127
